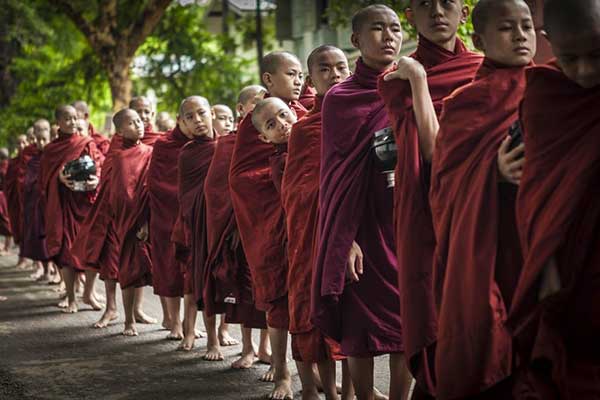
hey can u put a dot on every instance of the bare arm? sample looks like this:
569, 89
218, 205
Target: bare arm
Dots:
425, 116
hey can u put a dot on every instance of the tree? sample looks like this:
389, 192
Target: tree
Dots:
115, 29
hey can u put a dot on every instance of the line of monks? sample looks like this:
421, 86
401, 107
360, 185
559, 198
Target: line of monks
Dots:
478, 272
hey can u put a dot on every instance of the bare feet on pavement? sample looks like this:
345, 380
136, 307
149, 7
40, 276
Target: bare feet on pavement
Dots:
108, 317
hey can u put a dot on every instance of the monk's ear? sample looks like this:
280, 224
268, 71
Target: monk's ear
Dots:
410, 16
465, 12
309, 81
267, 80
239, 109
263, 138
212, 114
544, 34
354, 40
478, 42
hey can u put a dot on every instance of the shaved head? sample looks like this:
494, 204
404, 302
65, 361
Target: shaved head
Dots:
313, 57
361, 16
3, 153
192, 99
272, 61
250, 92
121, 116
82, 107
139, 102
222, 108
264, 105
486, 10
571, 16
41, 124
62, 110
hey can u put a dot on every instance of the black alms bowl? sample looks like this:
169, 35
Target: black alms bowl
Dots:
384, 147
80, 169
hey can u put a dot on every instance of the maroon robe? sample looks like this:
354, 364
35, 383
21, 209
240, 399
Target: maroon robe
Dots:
355, 205
558, 215
260, 219
415, 239
475, 267
5, 229
194, 160
226, 261
96, 245
34, 233
102, 142
65, 209
13, 189
129, 210
164, 207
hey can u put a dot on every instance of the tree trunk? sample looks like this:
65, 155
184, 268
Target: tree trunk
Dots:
120, 83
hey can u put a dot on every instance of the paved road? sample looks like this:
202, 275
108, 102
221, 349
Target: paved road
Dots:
45, 354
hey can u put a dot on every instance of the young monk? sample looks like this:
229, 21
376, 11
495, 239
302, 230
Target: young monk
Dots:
248, 97
413, 97
195, 120
556, 306
143, 107
223, 121
474, 182
259, 213
168, 281
227, 276
327, 66
164, 122
34, 241
128, 207
83, 113
66, 208
5, 229
13, 186
355, 288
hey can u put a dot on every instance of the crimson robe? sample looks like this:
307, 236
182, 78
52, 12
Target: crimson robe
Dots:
300, 199
5, 229
65, 209
13, 189
129, 210
415, 239
260, 219
226, 261
307, 97
355, 205
194, 160
102, 142
558, 215
473, 265
34, 234
164, 207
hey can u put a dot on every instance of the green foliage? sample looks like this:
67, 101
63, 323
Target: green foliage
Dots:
54, 66
181, 58
340, 13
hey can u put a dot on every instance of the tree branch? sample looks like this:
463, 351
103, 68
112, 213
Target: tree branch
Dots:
146, 23
88, 30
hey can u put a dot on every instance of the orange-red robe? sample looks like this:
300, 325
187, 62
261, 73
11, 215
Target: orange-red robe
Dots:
475, 268
558, 215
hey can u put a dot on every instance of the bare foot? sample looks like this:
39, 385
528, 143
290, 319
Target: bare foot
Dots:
130, 330
225, 339
108, 317
199, 334
142, 318
213, 354
187, 344
282, 390
378, 395
3, 298
166, 324
264, 357
22, 264
71, 308
244, 362
268, 376
93, 302
63, 303
175, 336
